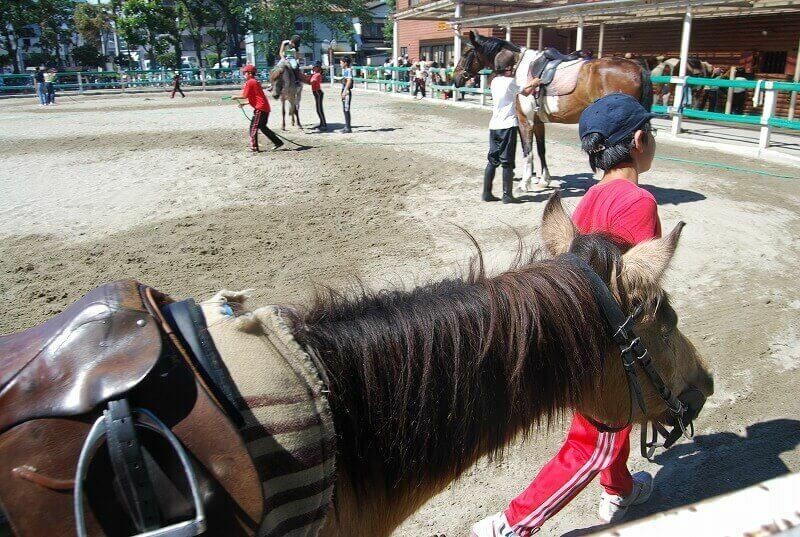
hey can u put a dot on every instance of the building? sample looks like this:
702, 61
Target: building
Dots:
762, 37
366, 42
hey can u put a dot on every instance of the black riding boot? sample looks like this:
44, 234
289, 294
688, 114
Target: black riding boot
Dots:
508, 186
488, 179
347, 127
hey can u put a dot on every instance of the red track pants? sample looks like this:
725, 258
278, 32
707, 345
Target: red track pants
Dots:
585, 453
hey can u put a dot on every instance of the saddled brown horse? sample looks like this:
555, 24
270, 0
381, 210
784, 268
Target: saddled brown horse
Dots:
596, 78
420, 384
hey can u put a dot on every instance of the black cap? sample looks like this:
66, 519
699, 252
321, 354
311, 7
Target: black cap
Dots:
615, 116
318, 63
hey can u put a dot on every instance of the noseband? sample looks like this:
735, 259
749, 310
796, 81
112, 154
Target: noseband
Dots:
683, 409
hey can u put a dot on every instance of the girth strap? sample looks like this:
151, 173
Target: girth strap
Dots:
129, 466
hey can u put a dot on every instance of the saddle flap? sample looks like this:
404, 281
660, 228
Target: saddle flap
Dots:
99, 348
566, 78
38, 463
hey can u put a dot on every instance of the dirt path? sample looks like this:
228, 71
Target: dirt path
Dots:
165, 191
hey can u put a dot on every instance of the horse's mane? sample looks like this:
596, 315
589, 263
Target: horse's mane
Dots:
491, 46
423, 381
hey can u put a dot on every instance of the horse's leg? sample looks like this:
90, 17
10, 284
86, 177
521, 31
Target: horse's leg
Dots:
526, 138
538, 130
283, 114
297, 110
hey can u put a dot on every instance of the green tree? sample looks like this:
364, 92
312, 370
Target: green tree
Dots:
148, 23
276, 19
56, 25
234, 16
92, 22
219, 39
87, 56
14, 16
388, 28
196, 15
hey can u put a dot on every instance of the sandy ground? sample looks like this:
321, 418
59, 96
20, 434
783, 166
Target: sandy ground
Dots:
100, 188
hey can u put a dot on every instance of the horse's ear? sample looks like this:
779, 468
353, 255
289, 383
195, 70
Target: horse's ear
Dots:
473, 38
557, 227
645, 264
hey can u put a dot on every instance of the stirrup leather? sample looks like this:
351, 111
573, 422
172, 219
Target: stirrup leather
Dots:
119, 415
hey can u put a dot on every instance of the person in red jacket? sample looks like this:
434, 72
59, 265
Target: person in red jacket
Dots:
253, 93
616, 134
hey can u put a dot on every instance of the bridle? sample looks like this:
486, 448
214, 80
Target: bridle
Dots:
683, 408
469, 58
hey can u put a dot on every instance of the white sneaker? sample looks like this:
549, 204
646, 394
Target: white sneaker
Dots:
494, 525
613, 508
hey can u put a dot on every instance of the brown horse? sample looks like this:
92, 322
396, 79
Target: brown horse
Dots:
596, 78
422, 383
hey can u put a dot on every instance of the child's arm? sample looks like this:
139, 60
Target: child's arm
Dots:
281, 51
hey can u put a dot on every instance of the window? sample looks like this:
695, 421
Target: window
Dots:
403, 51
441, 54
772, 62
303, 26
373, 30
413, 3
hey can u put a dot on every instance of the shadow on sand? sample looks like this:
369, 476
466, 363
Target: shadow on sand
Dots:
716, 464
576, 184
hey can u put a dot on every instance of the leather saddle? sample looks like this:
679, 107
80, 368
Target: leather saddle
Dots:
128, 367
544, 67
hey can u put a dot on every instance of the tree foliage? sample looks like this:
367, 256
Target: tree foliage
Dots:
388, 28
87, 55
14, 16
56, 25
276, 19
92, 22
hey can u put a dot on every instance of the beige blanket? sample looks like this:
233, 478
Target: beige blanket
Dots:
288, 425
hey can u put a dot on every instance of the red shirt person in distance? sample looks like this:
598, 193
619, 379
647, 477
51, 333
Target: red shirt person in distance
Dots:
616, 134
315, 80
253, 93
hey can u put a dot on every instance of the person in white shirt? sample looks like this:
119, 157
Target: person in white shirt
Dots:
502, 136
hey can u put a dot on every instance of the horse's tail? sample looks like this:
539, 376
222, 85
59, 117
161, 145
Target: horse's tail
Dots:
647, 90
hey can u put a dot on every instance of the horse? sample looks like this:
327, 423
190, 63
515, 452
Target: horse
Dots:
694, 67
596, 78
420, 383
287, 88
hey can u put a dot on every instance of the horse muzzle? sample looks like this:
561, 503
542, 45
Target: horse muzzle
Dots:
693, 401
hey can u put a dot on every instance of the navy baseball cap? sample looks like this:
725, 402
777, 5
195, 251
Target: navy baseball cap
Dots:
615, 116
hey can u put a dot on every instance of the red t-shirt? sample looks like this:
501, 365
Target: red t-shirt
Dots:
620, 208
316, 81
255, 95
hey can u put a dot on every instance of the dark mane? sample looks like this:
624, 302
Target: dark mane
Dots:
491, 46
424, 381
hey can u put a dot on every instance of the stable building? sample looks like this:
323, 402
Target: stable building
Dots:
760, 36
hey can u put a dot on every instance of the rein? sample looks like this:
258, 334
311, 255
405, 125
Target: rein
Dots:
683, 408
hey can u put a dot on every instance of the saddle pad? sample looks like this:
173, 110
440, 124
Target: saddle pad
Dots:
566, 78
288, 428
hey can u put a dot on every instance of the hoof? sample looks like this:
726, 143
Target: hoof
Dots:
525, 186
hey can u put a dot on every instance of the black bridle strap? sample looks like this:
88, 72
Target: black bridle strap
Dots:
632, 349
620, 327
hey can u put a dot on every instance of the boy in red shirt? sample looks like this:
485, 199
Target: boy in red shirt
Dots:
253, 93
616, 134
315, 80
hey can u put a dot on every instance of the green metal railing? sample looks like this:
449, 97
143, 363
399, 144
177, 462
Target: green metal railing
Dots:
767, 87
134, 78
